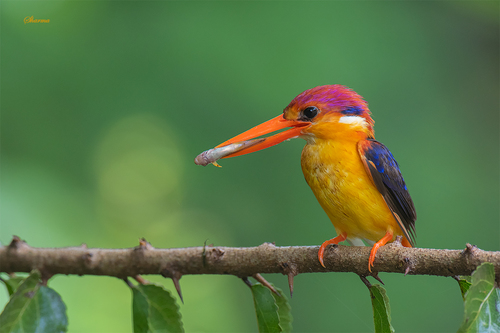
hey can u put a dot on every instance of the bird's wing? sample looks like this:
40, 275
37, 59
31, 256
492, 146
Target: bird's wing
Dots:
384, 171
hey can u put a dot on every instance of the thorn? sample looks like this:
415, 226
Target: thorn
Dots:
365, 281
456, 277
398, 240
84, 246
17, 243
469, 249
264, 282
291, 271
175, 276
376, 277
218, 253
290, 283
15, 239
247, 281
144, 245
176, 279
407, 270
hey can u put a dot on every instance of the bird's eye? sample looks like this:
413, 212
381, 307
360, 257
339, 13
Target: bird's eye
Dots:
309, 113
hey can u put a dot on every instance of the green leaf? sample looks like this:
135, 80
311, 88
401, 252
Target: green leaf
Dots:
284, 311
381, 309
274, 313
34, 308
12, 282
266, 309
155, 310
482, 302
464, 284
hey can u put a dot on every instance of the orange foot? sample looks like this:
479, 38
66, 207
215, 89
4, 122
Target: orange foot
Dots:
388, 237
340, 238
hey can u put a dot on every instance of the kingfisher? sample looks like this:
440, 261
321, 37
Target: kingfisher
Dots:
354, 177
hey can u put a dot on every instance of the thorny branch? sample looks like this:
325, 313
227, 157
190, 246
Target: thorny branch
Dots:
241, 262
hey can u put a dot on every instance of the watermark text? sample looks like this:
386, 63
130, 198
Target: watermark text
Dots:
30, 19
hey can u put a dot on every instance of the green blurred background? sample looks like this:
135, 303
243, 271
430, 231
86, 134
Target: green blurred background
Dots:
105, 107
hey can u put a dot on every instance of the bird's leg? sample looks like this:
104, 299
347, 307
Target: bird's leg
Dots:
388, 237
340, 238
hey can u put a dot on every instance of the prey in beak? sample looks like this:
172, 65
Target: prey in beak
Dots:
249, 141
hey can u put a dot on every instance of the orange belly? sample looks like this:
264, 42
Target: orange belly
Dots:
334, 171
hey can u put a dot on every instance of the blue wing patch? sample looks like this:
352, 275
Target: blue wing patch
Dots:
385, 173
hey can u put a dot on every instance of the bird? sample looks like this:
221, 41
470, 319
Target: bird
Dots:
354, 177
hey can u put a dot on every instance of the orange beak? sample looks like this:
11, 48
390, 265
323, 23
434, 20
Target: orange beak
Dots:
243, 144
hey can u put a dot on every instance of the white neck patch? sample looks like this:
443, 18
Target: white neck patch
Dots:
353, 120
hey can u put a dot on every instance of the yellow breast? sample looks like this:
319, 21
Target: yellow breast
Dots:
334, 171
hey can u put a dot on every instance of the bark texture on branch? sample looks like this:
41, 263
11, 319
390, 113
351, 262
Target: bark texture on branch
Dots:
241, 262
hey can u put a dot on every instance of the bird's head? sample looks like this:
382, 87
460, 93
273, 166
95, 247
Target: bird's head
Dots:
330, 111
324, 112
